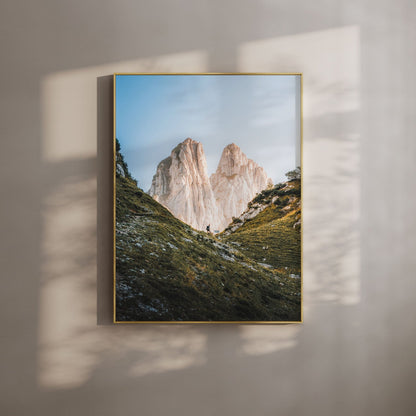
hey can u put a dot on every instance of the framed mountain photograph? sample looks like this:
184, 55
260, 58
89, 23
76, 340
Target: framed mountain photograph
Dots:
207, 198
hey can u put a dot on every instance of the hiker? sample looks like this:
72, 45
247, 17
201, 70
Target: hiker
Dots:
208, 229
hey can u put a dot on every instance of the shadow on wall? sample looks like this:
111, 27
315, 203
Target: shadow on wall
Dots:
74, 351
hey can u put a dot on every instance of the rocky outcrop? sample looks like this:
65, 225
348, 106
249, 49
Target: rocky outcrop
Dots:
236, 181
181, 184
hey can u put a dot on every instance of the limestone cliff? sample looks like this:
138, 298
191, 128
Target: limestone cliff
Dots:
236, 181
181, 184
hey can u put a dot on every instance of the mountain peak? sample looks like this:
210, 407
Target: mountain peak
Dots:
186, 143
181, 184
189, 141
232, 146
232, 159
233, 151
189, 146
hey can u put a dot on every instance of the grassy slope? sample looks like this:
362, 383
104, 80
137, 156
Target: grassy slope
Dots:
273, 236
168, 271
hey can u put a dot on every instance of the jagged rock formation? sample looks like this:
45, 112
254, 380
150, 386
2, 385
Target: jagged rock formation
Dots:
236, 181
181, 184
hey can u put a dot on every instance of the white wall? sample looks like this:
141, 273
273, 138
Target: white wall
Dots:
354, 354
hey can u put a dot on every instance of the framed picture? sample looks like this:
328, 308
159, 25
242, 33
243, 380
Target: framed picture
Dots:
207, 198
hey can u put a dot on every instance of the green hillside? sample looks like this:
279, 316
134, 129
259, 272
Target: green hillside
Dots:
167, 271
273, 236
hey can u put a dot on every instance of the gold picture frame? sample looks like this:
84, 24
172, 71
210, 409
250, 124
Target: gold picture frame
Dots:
300, 202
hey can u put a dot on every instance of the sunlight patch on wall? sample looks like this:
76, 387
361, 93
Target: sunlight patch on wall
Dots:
260, 340
73, 350
67, 345
69, 101
162, 352
330, 63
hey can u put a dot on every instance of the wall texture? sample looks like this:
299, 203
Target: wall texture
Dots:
353, 355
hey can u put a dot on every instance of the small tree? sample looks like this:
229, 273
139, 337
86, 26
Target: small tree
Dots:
122, 164
293, 174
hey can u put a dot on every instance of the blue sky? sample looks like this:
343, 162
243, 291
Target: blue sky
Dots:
259, 113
